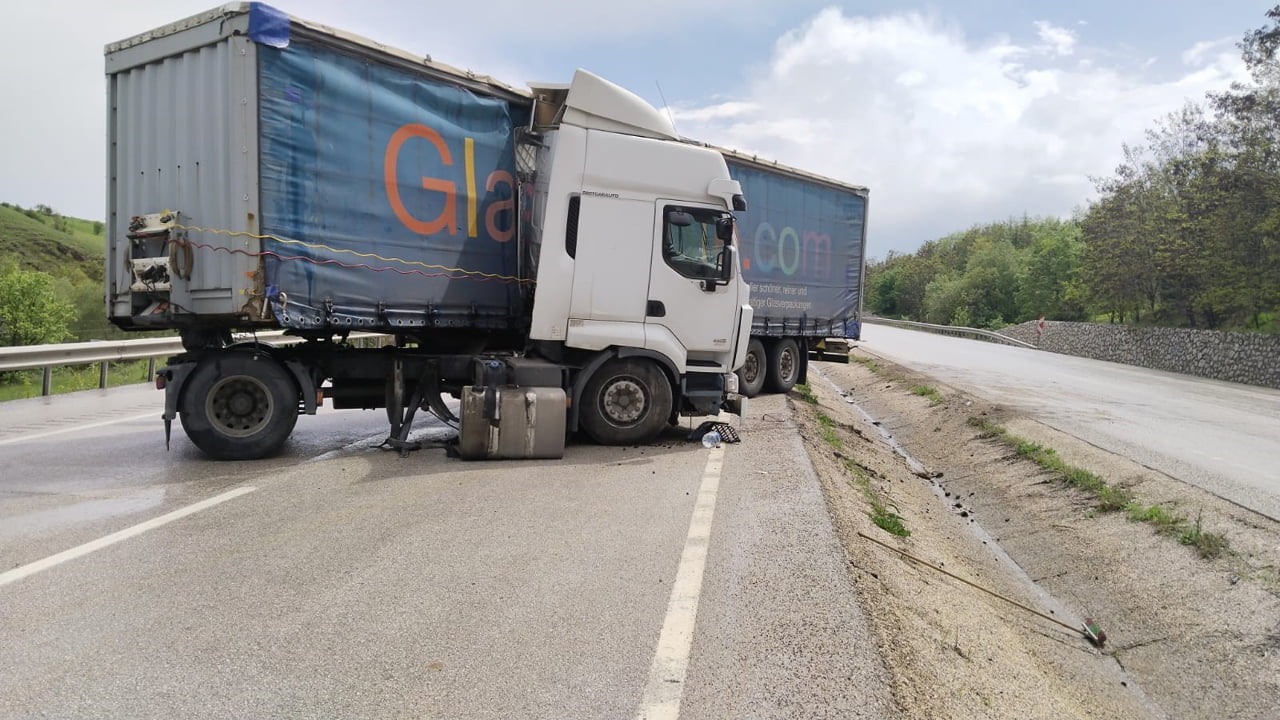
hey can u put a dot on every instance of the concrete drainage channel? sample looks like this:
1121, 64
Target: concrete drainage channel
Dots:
1057, 611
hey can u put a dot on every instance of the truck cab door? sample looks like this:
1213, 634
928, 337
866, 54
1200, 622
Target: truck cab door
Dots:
694, 286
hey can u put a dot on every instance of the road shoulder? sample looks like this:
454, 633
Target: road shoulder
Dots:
780, 632
1188, 637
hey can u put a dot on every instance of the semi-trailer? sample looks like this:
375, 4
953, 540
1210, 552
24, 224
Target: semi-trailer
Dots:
558, 258
802, 242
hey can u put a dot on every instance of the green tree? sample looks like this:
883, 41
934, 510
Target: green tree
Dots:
991, 280
1188, 231
912, 274
882, 288
1053, 263
946, 302
31, 313
1251, 120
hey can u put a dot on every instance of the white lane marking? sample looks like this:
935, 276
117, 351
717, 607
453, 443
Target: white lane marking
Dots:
37, 436
662, 694
19, 573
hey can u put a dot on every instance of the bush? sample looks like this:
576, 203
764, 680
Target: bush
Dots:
31, 312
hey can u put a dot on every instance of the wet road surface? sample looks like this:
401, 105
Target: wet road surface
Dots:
339, 580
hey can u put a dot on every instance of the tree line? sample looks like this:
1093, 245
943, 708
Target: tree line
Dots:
1185, 233
988, 276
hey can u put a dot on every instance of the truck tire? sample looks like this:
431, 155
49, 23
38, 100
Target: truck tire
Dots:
752, 373
239, 406
626, 402
784, 365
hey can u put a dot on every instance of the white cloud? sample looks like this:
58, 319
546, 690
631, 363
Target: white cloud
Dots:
1059, 40
946, 131
1215, 56
912, 78
723, 111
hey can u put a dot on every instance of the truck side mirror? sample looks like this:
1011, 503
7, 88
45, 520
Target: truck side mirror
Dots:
724, 269
724, 230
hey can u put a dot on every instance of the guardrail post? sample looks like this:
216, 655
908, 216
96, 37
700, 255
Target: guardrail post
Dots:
102, 375
151, 369
46, 382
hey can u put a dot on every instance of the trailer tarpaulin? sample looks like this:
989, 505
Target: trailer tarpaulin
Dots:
387, 197
802, 248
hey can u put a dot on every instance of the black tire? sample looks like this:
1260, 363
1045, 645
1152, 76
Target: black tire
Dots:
784, 365
752, 373
239, 406
626, 402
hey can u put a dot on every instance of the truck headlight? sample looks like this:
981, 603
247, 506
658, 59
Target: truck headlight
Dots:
731, 382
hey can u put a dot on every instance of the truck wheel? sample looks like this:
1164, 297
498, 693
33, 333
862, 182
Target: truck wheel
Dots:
626, 401
784, 365
239, 406
751, 374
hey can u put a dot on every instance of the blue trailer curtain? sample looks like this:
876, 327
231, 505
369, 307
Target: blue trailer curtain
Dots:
388, 198
802, 245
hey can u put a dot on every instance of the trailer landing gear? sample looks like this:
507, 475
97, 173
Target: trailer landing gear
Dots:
400, 413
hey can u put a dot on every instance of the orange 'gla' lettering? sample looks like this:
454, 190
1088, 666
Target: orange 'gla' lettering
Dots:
448, 217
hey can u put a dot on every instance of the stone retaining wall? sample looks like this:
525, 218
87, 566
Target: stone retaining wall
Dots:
1249, 358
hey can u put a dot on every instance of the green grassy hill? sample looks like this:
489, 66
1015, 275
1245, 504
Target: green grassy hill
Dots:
69, 249
64, 247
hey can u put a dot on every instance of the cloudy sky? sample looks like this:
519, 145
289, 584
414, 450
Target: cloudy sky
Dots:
953, 113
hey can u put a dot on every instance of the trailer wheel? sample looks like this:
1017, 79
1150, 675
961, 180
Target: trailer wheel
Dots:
626, 401
239, 406
751, 374
784, 365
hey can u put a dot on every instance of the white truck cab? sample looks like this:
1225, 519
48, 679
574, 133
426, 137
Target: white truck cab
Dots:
635, 233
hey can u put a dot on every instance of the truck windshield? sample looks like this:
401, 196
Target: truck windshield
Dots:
692, 249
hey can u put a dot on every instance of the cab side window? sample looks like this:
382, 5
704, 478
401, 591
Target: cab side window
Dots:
689, 242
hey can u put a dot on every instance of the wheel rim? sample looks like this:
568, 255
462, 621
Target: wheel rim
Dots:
751, 368
624, 401
239, 406
787, 363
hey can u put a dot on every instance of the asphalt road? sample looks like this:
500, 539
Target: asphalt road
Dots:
339, 580
1223, 437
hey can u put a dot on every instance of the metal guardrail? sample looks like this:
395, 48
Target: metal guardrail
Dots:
105, 352
32, 357
952, 330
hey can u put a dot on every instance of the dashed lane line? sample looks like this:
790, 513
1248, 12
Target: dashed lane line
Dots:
665, 688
